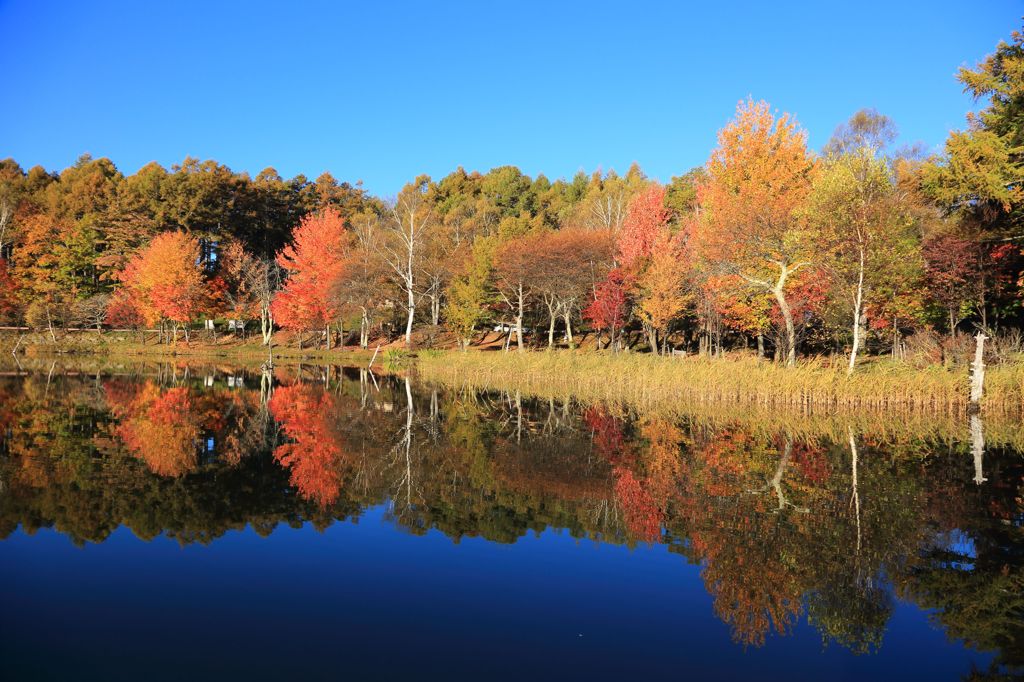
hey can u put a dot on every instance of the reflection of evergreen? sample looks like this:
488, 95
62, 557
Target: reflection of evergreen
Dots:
973, 573
784, 526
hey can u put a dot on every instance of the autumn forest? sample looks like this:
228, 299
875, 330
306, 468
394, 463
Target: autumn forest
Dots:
861, 249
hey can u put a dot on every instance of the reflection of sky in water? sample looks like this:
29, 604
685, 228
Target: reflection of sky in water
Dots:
962, 544
362, 601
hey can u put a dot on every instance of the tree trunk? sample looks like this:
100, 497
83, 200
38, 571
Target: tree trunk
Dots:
858, 303
853, 483
519, 321
411, 296
978, 370
552, 315
652, 337
266, 324
978, 449
49, 324
760, 346
568, 329
408, 322
787, 316
327, 335
435, 309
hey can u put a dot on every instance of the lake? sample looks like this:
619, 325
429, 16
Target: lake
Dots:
169, 522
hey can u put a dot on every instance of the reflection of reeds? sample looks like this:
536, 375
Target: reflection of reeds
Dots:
811, 398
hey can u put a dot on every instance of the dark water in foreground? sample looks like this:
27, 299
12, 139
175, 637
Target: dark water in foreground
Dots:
173, 524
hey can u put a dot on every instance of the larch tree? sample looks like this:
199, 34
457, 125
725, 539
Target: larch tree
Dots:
753, 199
470, 292
314, 261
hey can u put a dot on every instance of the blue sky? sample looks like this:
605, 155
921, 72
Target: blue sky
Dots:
382, 92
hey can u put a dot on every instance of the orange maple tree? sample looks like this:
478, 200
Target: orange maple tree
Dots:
165, 281
646, 222
314, 261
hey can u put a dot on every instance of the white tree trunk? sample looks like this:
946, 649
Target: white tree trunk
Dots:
412, 313
552, 316
266, 324
853, 483
519, 320
978, 369
787, 316
858, 303
978, 448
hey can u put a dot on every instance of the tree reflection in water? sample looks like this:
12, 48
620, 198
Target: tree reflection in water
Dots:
786, 521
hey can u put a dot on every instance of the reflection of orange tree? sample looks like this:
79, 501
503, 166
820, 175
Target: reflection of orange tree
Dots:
159, 427
748, 538
314, 454
234, 420
643, 515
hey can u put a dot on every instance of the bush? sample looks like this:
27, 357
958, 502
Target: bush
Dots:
396, 358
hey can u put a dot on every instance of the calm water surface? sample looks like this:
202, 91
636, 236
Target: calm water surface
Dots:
170, 523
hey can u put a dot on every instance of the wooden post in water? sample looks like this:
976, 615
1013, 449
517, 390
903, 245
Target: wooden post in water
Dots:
978, 371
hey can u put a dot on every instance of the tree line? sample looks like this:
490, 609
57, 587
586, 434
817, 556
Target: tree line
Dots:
768, 245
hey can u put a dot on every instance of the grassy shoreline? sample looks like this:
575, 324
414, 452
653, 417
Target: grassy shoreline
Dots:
658, 383
640, 380
112, 345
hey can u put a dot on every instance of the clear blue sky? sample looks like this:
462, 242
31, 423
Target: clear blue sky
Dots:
383, 92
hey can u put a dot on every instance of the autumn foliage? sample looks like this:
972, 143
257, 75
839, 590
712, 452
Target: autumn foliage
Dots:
846, 250
313, 452
314, 261
165, 280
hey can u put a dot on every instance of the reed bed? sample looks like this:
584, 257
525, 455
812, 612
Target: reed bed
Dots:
660, 383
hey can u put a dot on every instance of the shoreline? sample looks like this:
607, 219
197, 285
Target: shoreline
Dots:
662, 383
640, 380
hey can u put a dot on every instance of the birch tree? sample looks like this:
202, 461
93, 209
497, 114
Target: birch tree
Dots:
856, 206
408, 220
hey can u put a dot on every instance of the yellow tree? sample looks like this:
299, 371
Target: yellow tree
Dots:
868, 233
752, 201
663, 294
